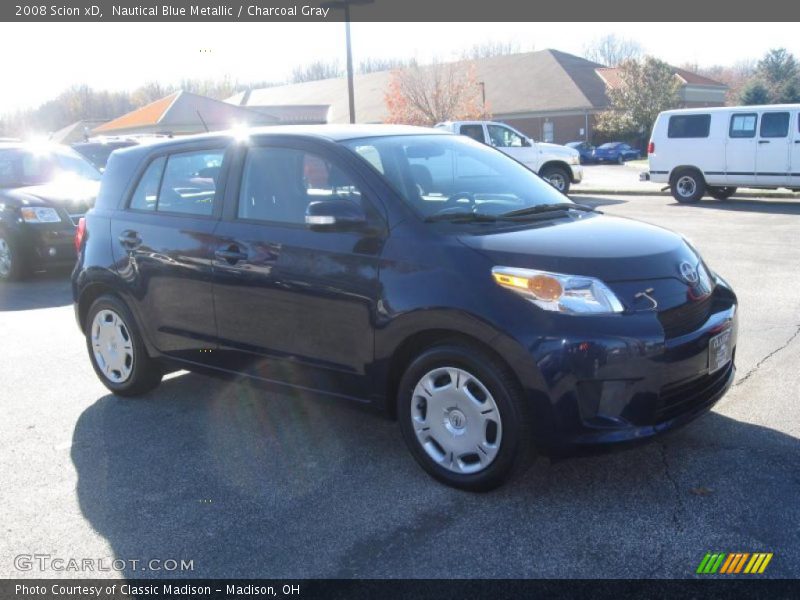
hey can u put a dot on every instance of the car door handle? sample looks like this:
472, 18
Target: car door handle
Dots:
130, 239
763, 141
231, 254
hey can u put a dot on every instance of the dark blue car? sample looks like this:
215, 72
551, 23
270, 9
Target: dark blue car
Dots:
616, 152
585, 149
422, 273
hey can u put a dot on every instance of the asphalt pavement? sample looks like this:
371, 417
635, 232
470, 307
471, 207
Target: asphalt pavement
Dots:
246, 483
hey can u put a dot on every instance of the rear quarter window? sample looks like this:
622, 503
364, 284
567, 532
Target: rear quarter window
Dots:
689, 126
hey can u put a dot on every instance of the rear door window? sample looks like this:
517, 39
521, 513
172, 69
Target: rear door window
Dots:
473, 131
743, 125
689, 126
775, 125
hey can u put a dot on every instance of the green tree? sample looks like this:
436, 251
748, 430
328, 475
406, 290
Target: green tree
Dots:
754, 92
646, 87
779, 73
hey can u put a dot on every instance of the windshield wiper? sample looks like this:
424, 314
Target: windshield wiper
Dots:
545, 208
461, 217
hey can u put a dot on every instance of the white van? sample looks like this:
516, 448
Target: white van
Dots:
715, 150
559, 165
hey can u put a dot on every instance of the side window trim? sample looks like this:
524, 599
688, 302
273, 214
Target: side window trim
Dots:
732, 120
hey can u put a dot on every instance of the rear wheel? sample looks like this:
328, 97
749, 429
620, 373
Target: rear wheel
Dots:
12, 266
687, 186
117, 350
463, 418
557, 177
620, 160
721, 193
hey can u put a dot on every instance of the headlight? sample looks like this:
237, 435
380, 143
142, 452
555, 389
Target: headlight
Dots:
571, 294
575, 159
39, 214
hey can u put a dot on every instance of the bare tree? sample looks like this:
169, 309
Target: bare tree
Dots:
439, 92
371, 65
315, 71
612, 50
493, 48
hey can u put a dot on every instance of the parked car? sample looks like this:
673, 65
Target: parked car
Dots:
97, 151
422, 273
44, 190
585, 151
615, 152
557, 164
716, 150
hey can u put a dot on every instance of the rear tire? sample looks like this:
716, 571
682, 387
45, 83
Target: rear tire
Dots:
463, 417
557, 177
687, 186
721, 193
117, 351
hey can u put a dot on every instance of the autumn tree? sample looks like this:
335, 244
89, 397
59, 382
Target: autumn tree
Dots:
646, 88
612, 50
426, 95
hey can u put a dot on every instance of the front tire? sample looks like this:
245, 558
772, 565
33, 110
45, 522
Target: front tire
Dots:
463, 417
721, 193
687, 186
117, 351
557, 177
12, 264
620, 160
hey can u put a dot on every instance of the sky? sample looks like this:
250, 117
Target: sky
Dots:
122, 56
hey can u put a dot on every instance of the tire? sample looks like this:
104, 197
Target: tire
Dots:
687, 186
445, 446
12, 264
556, 176
620, 160
117, 351
721, 193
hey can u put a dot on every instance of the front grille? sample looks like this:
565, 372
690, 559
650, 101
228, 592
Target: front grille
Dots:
677, 399
685, 318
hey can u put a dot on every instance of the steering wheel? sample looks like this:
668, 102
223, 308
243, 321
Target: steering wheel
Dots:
455, 198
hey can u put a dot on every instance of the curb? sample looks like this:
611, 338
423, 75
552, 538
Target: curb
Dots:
766, 195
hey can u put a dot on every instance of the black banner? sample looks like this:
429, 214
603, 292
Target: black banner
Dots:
459, 589
676, 11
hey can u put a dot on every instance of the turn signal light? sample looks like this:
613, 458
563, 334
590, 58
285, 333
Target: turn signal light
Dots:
542, 286
651, 148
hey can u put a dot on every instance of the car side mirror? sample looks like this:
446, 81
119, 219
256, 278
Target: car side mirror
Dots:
334, 215
527, 142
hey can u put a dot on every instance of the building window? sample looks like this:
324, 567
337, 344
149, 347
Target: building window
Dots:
547, 131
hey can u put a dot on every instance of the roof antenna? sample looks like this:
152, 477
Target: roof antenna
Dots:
202, 120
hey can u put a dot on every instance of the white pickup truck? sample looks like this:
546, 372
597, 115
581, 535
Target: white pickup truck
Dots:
559, 165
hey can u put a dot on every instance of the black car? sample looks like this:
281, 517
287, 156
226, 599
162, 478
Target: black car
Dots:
422, 273
44, 190
98, 151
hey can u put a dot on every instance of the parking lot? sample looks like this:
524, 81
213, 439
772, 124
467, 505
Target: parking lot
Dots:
250, 484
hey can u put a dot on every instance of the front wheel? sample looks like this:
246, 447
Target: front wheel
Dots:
12, 266
688, 186
721, 193
557, 177
117, 351
620, 160
463, 418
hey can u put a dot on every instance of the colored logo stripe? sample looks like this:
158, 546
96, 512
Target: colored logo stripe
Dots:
734, 562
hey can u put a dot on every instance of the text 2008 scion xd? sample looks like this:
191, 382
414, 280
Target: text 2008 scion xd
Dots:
422, 272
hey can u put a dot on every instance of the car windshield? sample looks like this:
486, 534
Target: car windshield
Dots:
34, 166
447, 174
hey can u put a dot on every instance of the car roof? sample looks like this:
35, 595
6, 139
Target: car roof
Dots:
723, 109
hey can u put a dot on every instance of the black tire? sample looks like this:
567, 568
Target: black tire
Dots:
145, 373
620, 160
556, 176
721, 193
516, 448
687, 186
12, 263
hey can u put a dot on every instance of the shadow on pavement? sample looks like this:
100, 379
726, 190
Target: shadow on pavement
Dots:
40, 290
777, 207
251, 484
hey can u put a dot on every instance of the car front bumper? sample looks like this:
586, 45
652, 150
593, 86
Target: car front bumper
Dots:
46, 245
577, 173
609, 388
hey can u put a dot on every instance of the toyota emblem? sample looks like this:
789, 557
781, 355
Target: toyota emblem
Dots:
688, 272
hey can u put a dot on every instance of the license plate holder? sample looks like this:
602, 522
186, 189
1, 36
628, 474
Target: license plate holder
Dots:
720, 351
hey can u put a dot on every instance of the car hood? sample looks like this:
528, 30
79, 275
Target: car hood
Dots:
613, 249
72, 196
557, 149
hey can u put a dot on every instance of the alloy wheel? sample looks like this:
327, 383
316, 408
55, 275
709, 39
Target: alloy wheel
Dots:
558, 181
456, 420
5, 258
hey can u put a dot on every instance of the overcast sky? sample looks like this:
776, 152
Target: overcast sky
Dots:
42, 59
